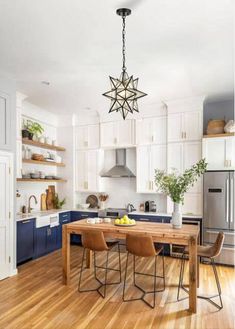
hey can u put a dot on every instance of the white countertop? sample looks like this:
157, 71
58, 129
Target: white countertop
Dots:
139, 213
20, 217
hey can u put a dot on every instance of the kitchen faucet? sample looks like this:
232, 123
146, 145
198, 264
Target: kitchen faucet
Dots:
35, 199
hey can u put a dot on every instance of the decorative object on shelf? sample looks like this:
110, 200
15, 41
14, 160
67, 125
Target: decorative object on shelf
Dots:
37, 157
124, 92
50, 197
215, 127
43, 201
230, 126
18, 195
59, 203
175, 186
103, 198
41, 139
34, 129
92, 200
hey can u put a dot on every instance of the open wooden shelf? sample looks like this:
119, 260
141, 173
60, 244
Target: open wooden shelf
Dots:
46, 163
219, 135
41, 180
42, 145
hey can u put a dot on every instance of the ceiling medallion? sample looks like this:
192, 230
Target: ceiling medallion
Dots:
124, 92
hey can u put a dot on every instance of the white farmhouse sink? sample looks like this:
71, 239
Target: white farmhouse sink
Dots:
45, 220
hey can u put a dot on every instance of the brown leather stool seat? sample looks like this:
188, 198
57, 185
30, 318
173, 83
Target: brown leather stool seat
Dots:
94, 240
210, 252
143, 246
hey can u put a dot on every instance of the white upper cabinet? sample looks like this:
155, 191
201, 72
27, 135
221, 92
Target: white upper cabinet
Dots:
4, 121
175, 127
87, 137
151, 131
185, 126
193, 125
149, 158
182, 156
88, 166
117, 134
219, 153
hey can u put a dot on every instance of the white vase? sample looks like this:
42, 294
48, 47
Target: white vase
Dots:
102, 204
176, 220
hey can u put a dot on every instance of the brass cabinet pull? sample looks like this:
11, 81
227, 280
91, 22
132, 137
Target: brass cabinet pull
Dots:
26, 221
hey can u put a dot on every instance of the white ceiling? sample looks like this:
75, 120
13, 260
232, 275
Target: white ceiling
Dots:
177, 49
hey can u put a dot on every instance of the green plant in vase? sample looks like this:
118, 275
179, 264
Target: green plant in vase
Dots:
175, 186
34, 129
58, 204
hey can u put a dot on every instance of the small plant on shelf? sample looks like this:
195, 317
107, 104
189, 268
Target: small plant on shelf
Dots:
34, 129
58, 204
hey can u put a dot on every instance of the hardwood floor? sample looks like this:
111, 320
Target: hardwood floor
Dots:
36, 298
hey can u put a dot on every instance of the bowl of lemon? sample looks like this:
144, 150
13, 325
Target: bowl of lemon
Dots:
124, 221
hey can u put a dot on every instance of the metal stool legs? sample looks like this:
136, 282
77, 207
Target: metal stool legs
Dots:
144, 292
103, 284
209, 299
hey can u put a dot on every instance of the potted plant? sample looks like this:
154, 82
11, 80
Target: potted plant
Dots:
34, 129
25, 132
58, 204
175, 186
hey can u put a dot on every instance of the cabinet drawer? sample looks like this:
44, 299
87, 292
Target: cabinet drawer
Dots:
64, 217
209, 236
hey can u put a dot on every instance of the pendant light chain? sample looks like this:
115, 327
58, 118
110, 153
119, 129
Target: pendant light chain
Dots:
123, 44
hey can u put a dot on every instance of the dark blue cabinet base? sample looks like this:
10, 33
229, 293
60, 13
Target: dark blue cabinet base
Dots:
25, 240
78, 215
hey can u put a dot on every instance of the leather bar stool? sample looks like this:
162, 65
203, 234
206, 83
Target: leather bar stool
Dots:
143, 246
94, 240
209, 252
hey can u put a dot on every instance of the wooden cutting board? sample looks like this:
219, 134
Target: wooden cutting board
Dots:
43, 201
49, 199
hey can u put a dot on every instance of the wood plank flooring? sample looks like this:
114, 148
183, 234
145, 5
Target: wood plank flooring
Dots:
36, 298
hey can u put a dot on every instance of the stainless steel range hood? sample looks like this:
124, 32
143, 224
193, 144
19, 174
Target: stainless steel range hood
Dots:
120, 169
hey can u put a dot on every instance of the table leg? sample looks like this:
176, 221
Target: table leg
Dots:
193, 274
66, 255
88, 258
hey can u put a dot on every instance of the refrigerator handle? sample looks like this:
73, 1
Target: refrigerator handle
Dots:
227, 200
231, 199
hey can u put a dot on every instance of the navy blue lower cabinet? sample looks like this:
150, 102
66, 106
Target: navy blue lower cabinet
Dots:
52, 233
25, 240
64, 218
78, 215
41, 241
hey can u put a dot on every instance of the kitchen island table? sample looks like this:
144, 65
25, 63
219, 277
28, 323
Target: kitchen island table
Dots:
160, 232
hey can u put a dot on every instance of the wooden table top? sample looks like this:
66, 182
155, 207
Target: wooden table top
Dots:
161, 232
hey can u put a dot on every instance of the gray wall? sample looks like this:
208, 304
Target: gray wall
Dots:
218, 109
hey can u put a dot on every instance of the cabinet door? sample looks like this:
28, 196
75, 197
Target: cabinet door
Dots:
25, 240
18, 159
93, 136
81, 133
4, 121
81, 173
157, 161
175, 127
52, 238
5, 199
143, 131
193, 125
41, 241
192, 204
214, 151
92, 168
158, 130
143, 183
124, 134
175, 157
230, 153
192, 154
108, 134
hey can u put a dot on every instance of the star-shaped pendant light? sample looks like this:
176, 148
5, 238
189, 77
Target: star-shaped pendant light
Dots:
124, 92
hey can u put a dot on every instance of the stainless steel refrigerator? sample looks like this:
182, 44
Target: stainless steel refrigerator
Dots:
218, 212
